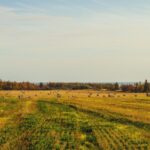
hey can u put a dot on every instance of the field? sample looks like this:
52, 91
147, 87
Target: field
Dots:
80, 120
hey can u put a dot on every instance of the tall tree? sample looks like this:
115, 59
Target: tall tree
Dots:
116, 86
146, 86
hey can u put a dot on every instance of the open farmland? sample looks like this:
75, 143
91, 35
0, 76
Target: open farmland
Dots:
77, 120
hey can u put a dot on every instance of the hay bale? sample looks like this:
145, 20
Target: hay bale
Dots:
20, 96
58, 95
111, 95
90, 95
148, 94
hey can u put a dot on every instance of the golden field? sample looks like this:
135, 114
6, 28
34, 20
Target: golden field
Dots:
83, 119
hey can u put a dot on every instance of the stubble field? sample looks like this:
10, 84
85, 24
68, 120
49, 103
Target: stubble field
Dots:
80, 120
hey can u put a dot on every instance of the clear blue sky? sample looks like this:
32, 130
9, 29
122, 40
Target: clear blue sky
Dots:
75, 40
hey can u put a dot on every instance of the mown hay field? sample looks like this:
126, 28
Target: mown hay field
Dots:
79, 120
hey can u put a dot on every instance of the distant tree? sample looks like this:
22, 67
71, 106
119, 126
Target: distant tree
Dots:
128, 88
136, 87
8, 86
1, 84
146, 87
116, 86
41, 85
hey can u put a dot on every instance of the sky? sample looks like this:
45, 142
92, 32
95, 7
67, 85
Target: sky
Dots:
75, 40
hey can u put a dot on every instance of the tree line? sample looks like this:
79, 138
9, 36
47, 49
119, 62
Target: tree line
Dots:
136, 87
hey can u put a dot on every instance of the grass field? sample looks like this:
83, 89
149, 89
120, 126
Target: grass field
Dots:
80, 120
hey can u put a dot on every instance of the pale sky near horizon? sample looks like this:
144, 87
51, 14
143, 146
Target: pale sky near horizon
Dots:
75, 40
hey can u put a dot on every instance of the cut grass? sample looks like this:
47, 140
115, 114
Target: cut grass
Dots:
49, 123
